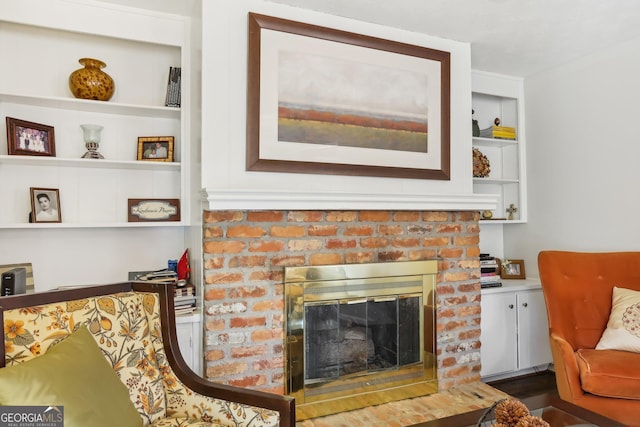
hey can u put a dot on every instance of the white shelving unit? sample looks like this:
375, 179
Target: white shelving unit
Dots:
42, 42
496, 96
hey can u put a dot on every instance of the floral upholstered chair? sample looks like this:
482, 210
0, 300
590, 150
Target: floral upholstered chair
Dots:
134, 327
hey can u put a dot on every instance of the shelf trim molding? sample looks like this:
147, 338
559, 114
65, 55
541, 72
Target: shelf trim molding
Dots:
246, 199
88, 163
495, 181
92, 106
71, 225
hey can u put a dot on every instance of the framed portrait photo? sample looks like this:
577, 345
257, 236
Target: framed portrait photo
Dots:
29, 138
512, 269
155, 148
45, 205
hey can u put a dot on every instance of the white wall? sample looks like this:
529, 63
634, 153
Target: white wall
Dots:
224, 105
82, 256
582, 157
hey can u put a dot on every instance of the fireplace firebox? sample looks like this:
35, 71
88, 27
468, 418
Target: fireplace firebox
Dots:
359, 329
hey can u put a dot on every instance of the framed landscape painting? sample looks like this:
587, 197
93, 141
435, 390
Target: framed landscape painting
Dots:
327, 101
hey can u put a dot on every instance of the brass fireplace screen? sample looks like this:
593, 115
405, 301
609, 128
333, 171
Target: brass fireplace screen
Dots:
359, 328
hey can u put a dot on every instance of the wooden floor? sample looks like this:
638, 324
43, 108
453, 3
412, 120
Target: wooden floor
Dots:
527, 385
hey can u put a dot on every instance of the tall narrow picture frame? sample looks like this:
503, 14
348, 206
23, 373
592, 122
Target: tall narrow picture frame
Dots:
327, 101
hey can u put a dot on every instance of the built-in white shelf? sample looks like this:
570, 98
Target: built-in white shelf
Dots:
85, 105
88, 163
73, 225
496, 96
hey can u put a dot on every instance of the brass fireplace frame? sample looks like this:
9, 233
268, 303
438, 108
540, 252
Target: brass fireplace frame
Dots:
348, 282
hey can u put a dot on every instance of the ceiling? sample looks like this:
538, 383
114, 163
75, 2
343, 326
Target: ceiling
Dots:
514, 37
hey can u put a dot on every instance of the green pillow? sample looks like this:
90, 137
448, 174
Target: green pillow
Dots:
73, 374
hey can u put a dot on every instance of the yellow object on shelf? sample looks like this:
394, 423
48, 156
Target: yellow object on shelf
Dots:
504, 132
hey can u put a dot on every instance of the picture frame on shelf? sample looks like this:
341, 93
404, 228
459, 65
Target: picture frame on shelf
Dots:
156, 148
512, 269
378, 107
27, 138
45, 205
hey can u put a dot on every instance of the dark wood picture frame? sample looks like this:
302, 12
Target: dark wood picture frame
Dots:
512, 269
41, 197
436, 152
147, 146
29, 138
153, 210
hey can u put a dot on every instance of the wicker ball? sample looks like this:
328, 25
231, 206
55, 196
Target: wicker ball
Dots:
509, 412
481, 165
531, 421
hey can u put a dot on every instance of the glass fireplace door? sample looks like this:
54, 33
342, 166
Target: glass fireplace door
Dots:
360, 335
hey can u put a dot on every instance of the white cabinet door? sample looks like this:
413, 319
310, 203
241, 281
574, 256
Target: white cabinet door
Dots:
533, 330
188, 331
185, 339
498, 334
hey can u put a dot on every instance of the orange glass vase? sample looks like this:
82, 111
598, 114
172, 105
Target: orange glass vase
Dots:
91, 82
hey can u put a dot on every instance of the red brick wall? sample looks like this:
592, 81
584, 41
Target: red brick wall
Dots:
245, 253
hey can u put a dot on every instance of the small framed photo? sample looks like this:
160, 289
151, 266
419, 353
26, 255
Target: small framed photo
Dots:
29, 138
512, 269
45, 205
155, 148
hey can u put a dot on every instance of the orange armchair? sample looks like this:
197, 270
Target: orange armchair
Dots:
578, 288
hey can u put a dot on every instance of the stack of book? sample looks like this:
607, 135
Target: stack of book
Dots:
184, 300
489, 271
184, 295
158, 276
501, 132
173, 87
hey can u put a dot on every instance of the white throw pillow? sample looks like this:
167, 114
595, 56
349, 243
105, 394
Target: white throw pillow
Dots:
623, 329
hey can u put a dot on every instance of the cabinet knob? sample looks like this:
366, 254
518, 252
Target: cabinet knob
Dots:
525, 304
510, 306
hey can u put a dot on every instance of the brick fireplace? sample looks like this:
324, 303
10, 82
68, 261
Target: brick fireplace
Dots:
245, 253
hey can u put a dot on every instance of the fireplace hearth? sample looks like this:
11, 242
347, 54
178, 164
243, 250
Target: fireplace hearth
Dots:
359, 329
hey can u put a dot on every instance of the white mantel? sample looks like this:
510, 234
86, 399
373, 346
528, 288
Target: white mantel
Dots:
225, 199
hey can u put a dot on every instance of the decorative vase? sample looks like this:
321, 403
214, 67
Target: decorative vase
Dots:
91, 82
474, 126
92, 141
